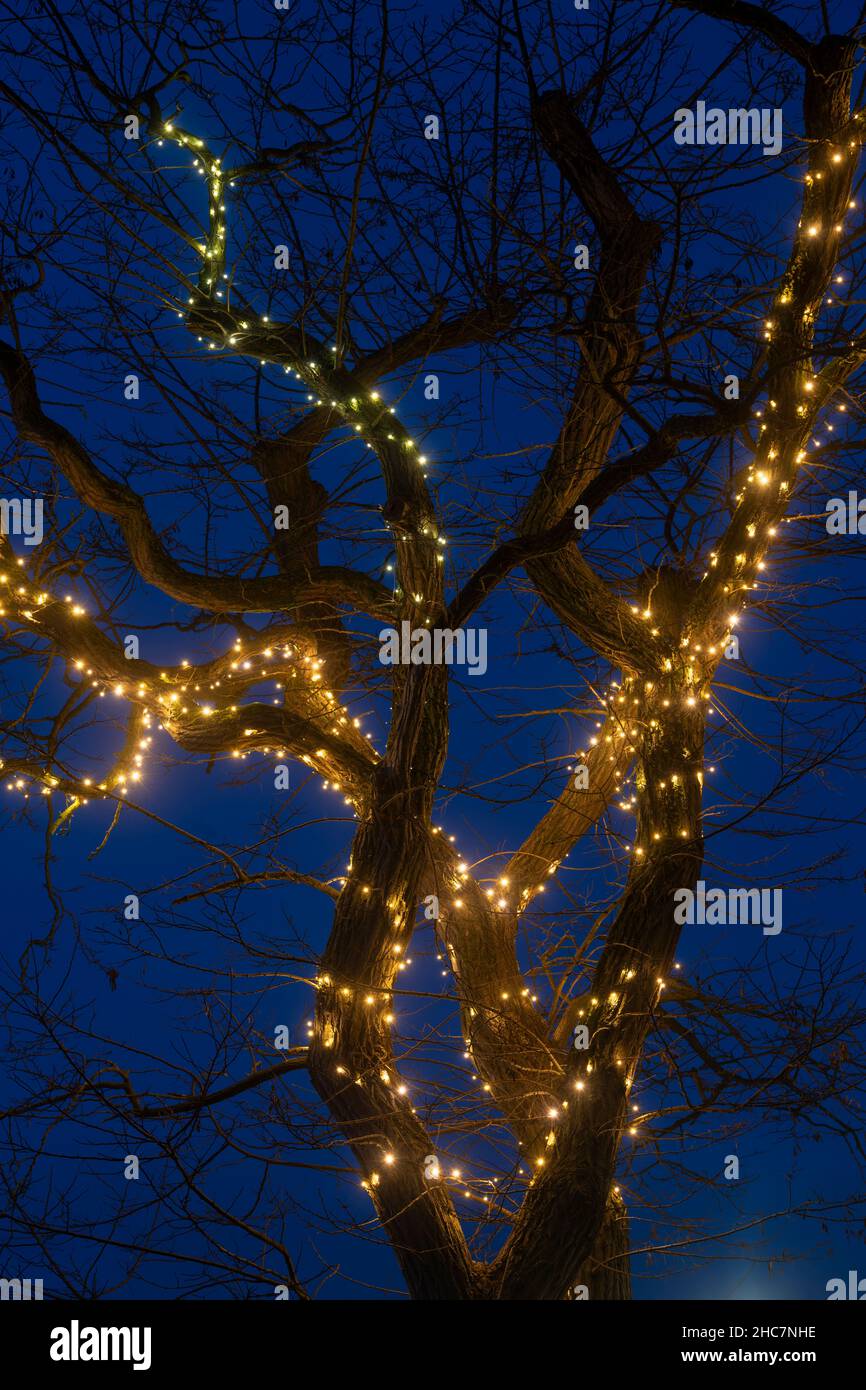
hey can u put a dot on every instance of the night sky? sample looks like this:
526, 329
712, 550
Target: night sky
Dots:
784, 807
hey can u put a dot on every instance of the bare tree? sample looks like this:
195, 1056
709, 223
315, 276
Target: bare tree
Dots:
236, 250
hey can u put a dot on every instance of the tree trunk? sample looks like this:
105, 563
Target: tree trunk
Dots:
606, 1273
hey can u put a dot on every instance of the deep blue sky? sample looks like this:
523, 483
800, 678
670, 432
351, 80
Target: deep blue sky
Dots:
513, 731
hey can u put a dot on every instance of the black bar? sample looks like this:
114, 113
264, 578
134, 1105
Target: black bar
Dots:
234, 1340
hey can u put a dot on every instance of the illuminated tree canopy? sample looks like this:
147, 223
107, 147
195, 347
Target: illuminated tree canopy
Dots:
329, 325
